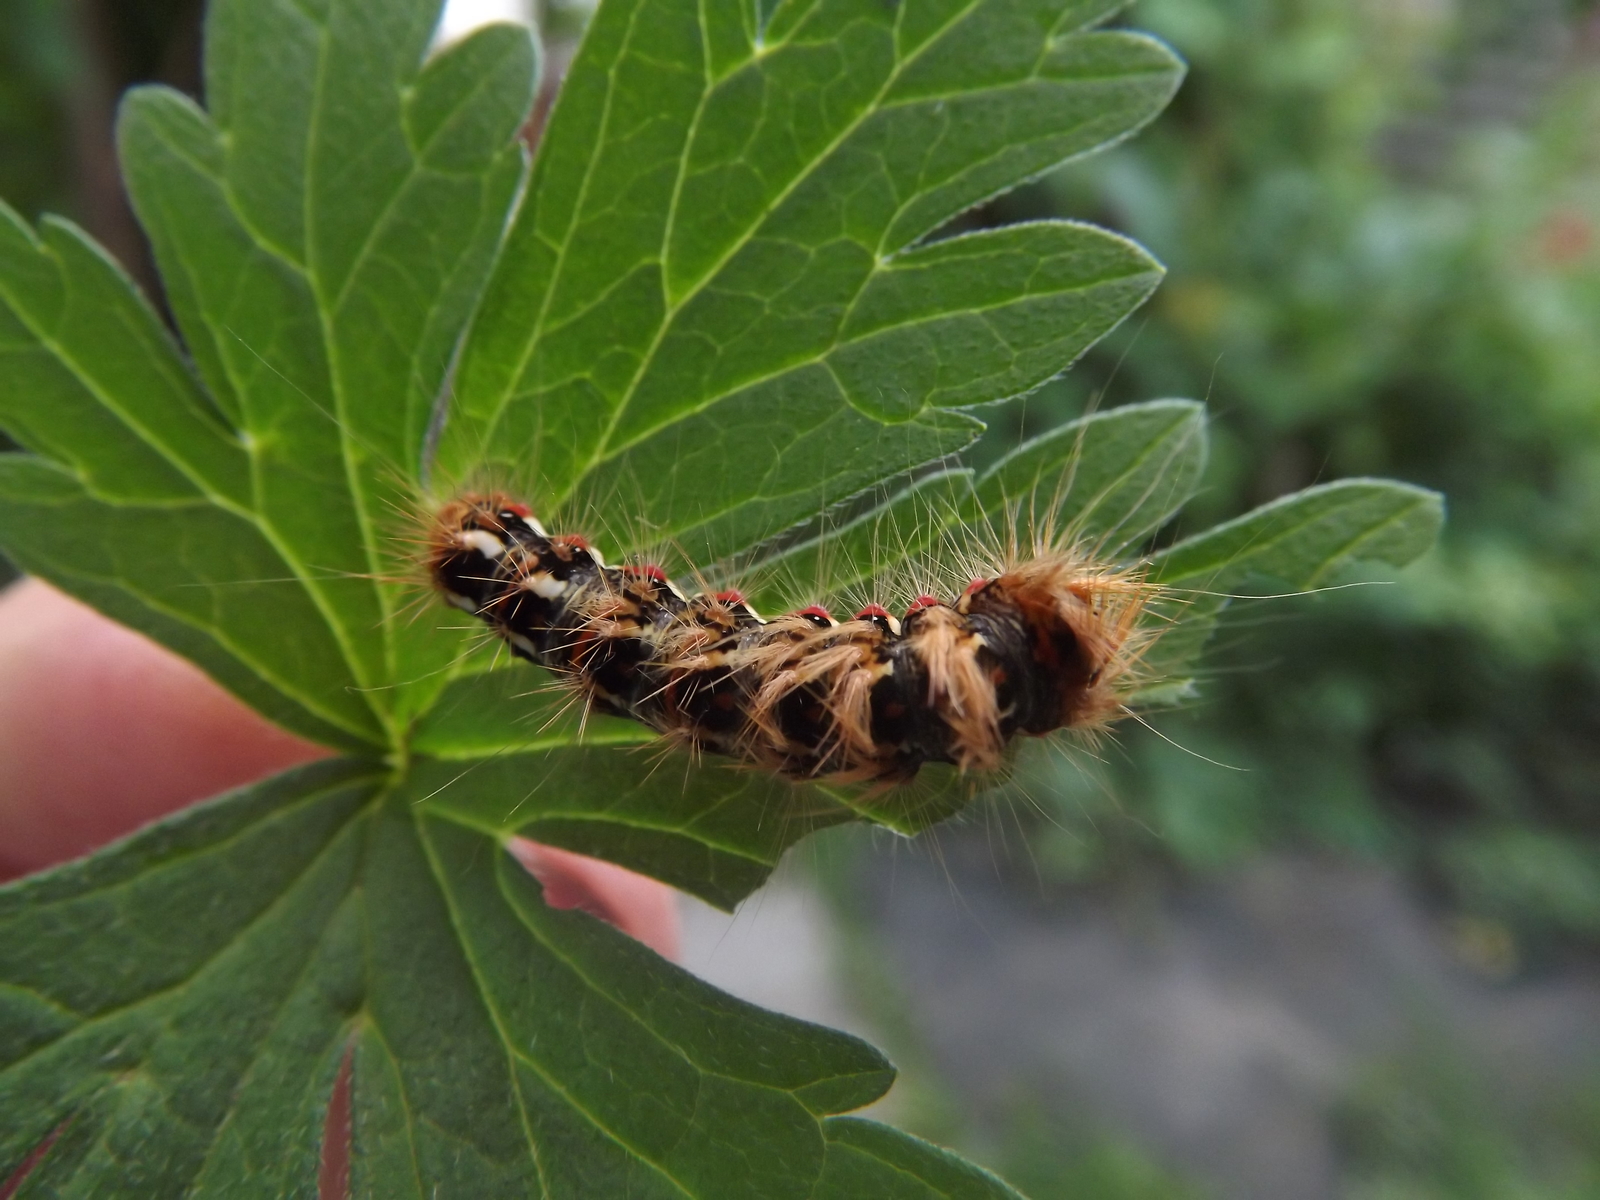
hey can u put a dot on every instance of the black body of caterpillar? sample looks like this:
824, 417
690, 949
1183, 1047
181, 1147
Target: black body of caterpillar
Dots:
1044, 645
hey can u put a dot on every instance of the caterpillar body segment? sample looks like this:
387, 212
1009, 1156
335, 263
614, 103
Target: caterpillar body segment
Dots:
1049, 643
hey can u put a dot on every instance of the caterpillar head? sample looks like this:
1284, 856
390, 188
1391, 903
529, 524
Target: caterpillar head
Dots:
469, 540
1086, 637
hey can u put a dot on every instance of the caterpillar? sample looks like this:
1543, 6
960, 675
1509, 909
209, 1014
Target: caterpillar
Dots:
1052, 642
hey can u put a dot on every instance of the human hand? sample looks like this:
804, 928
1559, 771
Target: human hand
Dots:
102, 730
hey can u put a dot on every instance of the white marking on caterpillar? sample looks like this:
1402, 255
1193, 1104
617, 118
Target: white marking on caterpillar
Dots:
545, 585
484, 543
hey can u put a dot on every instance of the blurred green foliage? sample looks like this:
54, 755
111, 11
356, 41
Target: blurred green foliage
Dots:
38, 63
1381, 223
1047, 1158
63, 64
1426, 1126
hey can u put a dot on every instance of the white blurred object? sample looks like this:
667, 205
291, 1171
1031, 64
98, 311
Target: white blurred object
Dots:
776, 951
461, 17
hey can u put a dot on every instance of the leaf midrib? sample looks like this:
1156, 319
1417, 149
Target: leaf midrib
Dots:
604, 449
1348, 549
245, 656
466, 821
289, 995
1177, 438
705, 515
514, 1054
328, 307
333, 349
250, 449
372, 1027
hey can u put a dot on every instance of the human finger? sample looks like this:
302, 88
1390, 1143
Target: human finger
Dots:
103, 730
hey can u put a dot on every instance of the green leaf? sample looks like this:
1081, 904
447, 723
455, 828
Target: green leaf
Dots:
719, 837
719, 317
322, 249
853, 558
714, 280
1308, 540
168, 1056
1104, 482
197, 578
319, 914
865, 1159
322, 254
513, 709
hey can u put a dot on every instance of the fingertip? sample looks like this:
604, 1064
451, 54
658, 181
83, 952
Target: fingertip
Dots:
103, 730
643, 908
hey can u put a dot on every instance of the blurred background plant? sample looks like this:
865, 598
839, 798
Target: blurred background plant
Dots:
1380, 219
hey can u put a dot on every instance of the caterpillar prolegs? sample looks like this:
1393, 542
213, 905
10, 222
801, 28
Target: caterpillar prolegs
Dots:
1049, 643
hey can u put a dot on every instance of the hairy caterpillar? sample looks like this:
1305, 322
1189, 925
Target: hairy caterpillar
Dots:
1049, 643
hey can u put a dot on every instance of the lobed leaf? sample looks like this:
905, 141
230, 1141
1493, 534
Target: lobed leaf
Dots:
715, 253
744, 395
715, 829
1104, 482
322, 247
169, 1060
1307, 540
723, 308
321, 915
323, 251
203, 581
